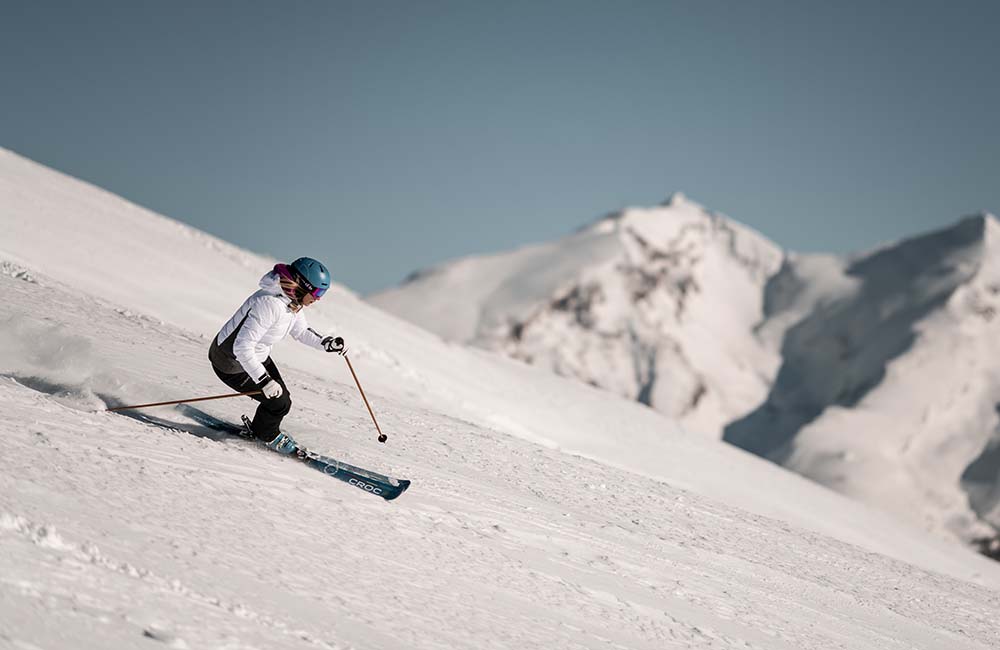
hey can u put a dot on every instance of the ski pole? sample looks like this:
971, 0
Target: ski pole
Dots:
184, 401
381, 436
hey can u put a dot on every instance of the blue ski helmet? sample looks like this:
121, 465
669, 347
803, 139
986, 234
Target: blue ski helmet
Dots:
311, 275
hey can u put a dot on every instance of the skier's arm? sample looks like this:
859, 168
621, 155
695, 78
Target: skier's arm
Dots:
304, 334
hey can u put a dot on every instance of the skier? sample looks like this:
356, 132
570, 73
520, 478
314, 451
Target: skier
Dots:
240, 352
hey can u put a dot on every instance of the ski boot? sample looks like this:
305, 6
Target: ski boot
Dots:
282, 443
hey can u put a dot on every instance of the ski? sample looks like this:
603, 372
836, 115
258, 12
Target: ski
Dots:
381, 485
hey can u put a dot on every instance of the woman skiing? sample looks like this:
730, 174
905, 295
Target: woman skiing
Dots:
240, 352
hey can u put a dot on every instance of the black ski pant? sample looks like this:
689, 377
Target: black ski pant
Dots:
267, 420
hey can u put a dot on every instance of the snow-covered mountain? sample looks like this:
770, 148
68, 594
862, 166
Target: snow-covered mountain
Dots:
543, 512
873, 374
889, 384
657, 305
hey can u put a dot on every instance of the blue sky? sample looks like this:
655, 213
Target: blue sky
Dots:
383, 137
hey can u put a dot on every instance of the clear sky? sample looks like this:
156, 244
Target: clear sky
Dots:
382, 137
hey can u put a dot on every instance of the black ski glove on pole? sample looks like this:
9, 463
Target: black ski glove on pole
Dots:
334, 344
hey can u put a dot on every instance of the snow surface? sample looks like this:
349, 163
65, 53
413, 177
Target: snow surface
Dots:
542, 512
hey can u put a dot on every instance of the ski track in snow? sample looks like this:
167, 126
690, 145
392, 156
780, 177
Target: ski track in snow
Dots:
115, 533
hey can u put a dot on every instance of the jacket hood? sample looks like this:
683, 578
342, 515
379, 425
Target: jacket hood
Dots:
271, 282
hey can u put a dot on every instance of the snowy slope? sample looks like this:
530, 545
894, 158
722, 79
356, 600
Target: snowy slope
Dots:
657, 305
115, 533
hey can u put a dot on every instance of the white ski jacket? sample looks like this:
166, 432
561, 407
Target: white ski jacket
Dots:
245, 341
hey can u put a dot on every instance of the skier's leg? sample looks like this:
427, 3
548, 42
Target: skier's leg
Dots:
267, 420
240, 382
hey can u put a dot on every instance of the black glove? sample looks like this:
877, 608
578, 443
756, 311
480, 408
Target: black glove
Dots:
334, 344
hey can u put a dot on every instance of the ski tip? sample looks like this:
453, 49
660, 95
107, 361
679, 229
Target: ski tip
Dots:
403, 484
